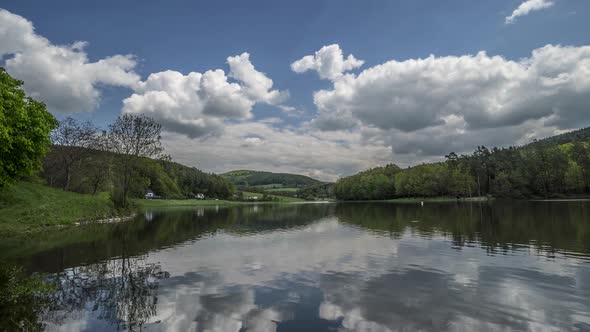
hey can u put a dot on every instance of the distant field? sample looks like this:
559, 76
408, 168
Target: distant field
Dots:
182, 202
283, 199
282, 189
207, 202
269, 186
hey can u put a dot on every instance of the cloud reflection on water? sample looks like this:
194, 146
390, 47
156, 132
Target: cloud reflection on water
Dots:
334, 274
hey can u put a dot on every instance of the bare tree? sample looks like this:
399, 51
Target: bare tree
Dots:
99, 169
133, 137
73, 141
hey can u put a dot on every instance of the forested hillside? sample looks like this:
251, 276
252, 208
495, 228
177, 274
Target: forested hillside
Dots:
94, 172
322, 191
376, 183
557, 166
269, 180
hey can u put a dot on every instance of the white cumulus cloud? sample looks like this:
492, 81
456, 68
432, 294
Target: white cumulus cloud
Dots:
329, 62
527, 7
198, 104
460, 100
62, 76
485, 91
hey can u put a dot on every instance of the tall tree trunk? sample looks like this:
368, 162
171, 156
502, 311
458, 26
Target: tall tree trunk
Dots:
478, 186
68, 178
126, 183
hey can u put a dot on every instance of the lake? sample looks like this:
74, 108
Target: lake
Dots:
499, 266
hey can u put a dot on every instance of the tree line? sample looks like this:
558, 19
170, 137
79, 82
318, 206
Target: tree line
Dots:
549, 168
125, 159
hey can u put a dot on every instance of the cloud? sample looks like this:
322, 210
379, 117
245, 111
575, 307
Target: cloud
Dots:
198, 105
406, 103
328, 62
257, 86
527, 7
262, 146
388, 282
487, 91
62, 76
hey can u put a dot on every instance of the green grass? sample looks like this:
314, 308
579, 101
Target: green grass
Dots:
28, 206
153, 203
269, 186
282, 199
182, 202
286, 189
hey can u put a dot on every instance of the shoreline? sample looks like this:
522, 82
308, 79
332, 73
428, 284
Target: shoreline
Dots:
164, 203
441, 199
32, 207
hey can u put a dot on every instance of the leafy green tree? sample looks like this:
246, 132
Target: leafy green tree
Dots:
580, 153
25, 125
23, 299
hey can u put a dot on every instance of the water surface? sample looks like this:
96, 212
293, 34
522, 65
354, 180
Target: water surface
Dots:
322, 267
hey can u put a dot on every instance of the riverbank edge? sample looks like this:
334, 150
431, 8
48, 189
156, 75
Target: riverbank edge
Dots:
165, 203
418, 200
29, 207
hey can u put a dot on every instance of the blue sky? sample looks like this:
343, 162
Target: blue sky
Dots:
191, 36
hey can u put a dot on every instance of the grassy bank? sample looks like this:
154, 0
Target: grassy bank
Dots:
156, 203
29, 206
277, 198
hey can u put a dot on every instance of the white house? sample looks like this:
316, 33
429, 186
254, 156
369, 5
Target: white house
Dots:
149, 194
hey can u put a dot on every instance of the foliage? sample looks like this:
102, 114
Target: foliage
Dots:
22, 299
553, 167
273, 186
246, 178
121, 162
192, 181
24, 131
132, 137
373, 184
317, 192
430, 180
95, 173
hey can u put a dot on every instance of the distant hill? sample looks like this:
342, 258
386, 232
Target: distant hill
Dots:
269, 180
96, 171
576, 135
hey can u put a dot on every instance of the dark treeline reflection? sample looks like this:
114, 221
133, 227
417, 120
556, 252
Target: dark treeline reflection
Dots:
497, 226
56, 251
123, 292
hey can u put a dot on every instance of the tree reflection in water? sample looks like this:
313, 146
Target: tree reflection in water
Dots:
122, 291
22, 299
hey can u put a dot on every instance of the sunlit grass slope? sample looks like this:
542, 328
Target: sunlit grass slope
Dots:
29, 206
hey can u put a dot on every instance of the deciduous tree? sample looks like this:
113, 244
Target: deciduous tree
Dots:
24, 131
